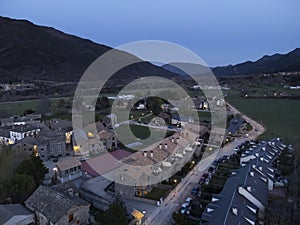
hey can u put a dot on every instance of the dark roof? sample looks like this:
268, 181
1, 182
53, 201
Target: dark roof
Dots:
23, 128
9, 210
51, 135
58, 124
28, 140
4, 132
51, 203
251, 176
234, 125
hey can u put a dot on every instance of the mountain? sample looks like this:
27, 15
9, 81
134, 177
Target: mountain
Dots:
186, 69
268, 64
31, 52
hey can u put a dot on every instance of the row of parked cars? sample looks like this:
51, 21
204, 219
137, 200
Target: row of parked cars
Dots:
205, 179
186, 206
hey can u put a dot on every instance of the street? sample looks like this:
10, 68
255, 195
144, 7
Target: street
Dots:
163, 214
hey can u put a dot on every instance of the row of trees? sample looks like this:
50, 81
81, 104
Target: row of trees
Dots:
25, 179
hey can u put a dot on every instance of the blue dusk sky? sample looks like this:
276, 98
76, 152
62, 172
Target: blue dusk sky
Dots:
221, 32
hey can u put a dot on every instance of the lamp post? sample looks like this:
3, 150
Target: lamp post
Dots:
55, 174
144, 212
175, 189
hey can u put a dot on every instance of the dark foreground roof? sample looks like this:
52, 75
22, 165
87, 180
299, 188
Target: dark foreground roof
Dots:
51, 203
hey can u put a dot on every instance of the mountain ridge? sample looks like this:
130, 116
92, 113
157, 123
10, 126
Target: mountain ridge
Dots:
30, 52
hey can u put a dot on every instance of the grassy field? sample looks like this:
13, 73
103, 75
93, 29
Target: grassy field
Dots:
280, 116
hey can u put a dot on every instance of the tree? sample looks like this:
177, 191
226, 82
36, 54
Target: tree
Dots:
33, 167
154, 104
116, 214
102, 103
21, 187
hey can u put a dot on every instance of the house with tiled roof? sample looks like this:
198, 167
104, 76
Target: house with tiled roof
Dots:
68, 169
108, 139
55, 208
144, 167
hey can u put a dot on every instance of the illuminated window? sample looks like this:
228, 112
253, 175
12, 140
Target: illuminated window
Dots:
70, 218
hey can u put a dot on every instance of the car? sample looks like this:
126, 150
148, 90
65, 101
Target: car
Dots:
195, 190
211, 169
184, 208
202, 180
246, 135
205, 175
55, 159
188, 201
207, 180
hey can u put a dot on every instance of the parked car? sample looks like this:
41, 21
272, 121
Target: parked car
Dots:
207, 180
188, 201
211, 169
185, 208
55, 159
205, 175
202, 180
195, 190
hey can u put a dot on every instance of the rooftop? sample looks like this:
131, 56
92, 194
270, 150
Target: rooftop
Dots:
9, 210
51, 203
68, 164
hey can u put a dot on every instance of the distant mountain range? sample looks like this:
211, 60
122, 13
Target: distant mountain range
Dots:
31, 52
268, 64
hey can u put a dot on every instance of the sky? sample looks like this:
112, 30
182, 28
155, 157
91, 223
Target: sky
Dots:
221, 32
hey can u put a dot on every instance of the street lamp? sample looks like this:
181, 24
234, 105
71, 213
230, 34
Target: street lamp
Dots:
55, 173
144, 212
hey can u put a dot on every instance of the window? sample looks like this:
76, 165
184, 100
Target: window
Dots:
70, 217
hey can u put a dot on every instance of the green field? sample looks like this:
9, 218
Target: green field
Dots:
280, 116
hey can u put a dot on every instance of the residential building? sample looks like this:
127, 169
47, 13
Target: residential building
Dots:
53, 144
108, 139
19, 132
15, 214
237, 126
5, 138
54, 208
142, 169
26, 146
68, 169
244, 197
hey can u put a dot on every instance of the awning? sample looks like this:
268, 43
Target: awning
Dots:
137, 214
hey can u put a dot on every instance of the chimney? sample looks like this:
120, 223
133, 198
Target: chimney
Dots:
172, 140
249, 188
145, 153
160, 146
151, 154
177, 140
234, 211
166, 146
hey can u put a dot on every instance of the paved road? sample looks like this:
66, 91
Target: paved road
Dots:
163, 214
